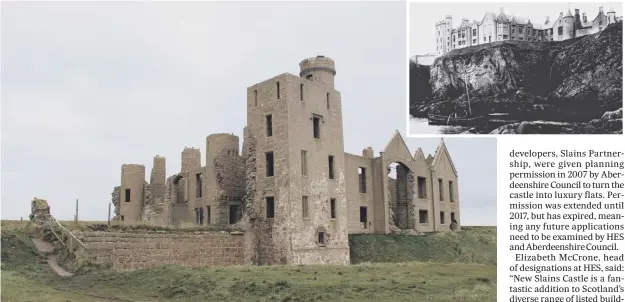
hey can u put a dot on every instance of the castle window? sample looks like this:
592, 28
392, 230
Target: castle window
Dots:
442, 217
127, 199
235, 214
440, 189
560, 30
451, 191
208, 215
278, 89
316, 131
201, 210
333, 208
269, 121
305, 206
198, 185
512, 28
505, 37
122, 217
270, 207
423, 216
453, 217
362, 180
422, 187
331, 167
475, 32
301, 92
328, 100
255, 98
321, 238
309, 77
269, 163
304, 163
363, 216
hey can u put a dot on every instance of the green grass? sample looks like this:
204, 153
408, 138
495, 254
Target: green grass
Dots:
26, 277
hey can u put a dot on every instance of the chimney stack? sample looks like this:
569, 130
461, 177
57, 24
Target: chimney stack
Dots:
584, 17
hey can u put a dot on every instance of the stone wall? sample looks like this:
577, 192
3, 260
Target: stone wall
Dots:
136, 250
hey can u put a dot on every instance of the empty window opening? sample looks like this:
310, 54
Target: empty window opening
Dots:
122, 217
321, 238
399, 183
127, 199
442, 217
422, 187
255, 98
451, 191
328, 100
453, 216
198, 185
301, 92
269, 163
278, 89
440, 190
362, 180
423, 216
304, 162
316, 129
235, 214
270, 207
331, 167
363, 216
208, 214
201, 216
309, 77
332, 208
305, 206
269, 121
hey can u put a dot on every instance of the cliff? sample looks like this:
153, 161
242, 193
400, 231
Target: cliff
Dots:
577, 79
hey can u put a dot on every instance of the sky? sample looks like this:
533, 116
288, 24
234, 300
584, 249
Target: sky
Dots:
89, 86
423, 16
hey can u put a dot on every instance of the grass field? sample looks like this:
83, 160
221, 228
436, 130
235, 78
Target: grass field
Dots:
436, 267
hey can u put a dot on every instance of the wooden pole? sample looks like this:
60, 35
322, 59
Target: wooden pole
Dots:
109, 220
76, 216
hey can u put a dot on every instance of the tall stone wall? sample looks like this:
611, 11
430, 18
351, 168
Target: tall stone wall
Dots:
137, 250
155, 206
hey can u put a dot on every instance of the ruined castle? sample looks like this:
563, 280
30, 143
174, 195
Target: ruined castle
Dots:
292, 187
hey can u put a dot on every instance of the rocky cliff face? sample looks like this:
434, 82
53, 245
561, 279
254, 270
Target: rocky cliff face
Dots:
581, 76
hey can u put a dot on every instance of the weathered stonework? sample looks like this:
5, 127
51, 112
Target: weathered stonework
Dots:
293, 188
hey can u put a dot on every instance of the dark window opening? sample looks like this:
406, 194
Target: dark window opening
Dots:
301, 92
208, 214
309, 77
560, 31
305, 206
127, 199
278, 89
269, 163
442, 217
255, 98
362, 180
331, 166
235, 214
328, 100
363, 216
269, 122
270, 207
332, 208
198, 185
321, 238
316, 127
440, 189
423, 216
201, 216
422, 187
122, 217
451, 191
453, 217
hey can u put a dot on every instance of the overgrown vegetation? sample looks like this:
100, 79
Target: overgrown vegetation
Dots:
26, 277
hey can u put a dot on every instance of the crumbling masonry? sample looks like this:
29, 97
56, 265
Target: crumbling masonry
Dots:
293, 188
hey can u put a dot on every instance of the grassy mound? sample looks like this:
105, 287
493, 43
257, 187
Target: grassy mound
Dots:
471, 245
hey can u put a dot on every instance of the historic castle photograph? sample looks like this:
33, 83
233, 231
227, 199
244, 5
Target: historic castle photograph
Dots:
553, 69
207, 151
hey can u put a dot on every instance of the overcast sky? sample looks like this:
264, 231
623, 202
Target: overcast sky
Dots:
423, 16
87, 87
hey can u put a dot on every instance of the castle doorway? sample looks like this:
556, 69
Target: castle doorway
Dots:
401, 195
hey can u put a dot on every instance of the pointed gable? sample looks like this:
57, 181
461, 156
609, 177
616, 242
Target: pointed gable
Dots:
441, 152
429, 159
419, 154
397, 147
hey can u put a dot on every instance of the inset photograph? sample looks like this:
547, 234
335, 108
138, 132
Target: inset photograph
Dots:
493, 68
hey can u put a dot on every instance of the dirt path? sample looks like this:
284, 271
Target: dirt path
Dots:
47, 248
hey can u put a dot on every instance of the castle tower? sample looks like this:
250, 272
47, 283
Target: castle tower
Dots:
578, 20
443, 35
191, 159
319, 69
131, 192
611, 15
568, 30
300, 201
218, 143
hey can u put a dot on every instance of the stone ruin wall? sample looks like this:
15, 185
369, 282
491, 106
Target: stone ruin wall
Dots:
230, 172
136, 250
